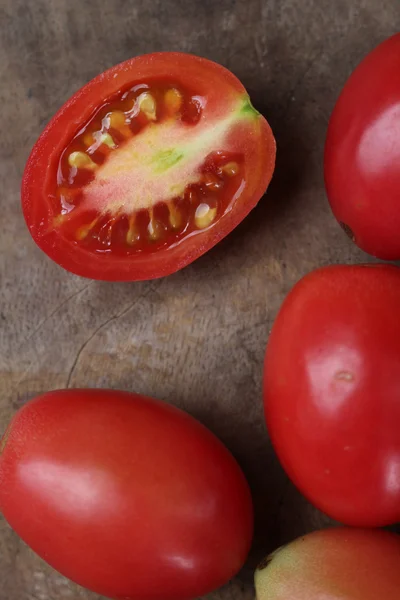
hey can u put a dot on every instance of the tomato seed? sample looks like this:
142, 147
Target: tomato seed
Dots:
230, 169
155, 228
97, 139
117, 120
147, 105
204, 215
175, 218
83, 231
106, 139
88, 139
80, 160
133, 234
173, 100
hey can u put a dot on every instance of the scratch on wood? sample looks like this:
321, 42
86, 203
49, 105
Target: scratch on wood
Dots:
53, 312
102, 326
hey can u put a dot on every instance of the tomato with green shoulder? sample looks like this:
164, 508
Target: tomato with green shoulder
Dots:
333, 564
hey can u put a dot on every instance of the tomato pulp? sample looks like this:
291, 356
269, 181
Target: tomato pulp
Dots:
333, 564
332, 391
362, 153
146, 168
128, 496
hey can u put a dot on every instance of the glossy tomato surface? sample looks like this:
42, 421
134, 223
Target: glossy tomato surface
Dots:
333, 564
125, 495
332, 391
146, 167
362, 153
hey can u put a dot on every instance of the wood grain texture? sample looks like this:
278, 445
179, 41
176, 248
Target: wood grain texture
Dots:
197, 338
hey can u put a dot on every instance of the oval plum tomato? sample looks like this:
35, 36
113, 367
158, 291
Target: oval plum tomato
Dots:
125, 495
332, 391
333, 564
146, 167
362, 153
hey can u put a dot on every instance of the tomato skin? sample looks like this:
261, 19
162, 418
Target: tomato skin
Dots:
333, 564
255, 140
332, 390
362, 153
128, 496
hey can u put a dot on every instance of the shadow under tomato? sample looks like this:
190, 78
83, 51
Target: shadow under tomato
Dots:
395, 528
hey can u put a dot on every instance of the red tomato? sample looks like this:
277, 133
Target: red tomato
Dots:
125, 495
333, 564
362, 153
332, 391
146, 167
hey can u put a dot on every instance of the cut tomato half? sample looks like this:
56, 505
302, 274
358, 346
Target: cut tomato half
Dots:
146, 167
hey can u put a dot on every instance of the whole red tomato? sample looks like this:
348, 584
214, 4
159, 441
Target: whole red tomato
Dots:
362, 153
332, 391
128, 496
146, 167
333, 564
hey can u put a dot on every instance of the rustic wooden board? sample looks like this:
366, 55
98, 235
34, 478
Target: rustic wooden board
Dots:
197, 338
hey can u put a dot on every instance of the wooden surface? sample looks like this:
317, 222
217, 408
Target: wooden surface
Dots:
197, 338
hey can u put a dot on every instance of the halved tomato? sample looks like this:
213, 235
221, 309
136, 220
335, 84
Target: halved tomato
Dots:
146, 167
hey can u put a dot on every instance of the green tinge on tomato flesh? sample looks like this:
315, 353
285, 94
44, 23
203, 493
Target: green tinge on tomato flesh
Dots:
154, 186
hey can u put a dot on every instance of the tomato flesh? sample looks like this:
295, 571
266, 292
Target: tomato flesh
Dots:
332, 390
155, 174
106, 204
128, 496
